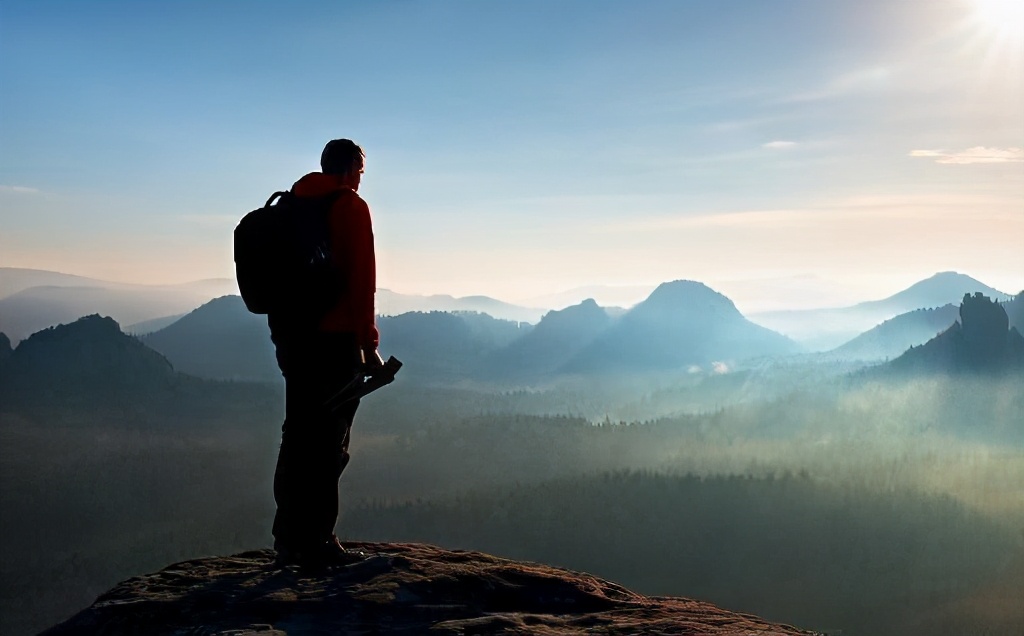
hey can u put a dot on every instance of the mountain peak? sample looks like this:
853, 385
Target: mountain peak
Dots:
588, 307
90, 356
92, 327
946, 278
400, 588
936, 290
687, 293
559, 335
682, 323
218, 311
219, 339
585, 320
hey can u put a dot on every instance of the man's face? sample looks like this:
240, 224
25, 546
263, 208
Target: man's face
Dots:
357, 178
352, 178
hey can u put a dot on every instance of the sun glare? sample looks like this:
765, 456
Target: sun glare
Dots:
1005, 17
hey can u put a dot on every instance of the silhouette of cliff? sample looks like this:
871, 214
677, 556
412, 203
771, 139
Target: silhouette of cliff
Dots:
407, 589
982, 341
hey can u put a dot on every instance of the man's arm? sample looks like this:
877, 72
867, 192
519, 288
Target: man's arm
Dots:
362, 273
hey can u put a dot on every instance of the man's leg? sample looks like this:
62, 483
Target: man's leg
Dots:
295, 474
329, 467
314, 448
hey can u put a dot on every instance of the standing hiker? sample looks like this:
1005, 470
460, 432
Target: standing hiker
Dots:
319, 353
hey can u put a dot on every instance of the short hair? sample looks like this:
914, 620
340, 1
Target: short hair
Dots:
341, 156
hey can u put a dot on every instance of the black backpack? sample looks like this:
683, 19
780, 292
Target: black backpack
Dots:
282, 257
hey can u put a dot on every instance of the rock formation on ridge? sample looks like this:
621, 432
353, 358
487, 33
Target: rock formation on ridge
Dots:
982, 341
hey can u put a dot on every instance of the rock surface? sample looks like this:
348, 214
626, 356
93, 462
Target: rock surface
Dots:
398, 589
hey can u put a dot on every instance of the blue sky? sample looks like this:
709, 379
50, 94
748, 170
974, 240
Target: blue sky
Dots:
786, 153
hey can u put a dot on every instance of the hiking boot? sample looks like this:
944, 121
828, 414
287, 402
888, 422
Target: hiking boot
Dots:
334, 551
327, 554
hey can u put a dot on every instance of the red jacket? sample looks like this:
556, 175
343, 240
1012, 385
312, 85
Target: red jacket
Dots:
351, 241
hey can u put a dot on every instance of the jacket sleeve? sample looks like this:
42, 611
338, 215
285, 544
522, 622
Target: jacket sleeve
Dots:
358, 260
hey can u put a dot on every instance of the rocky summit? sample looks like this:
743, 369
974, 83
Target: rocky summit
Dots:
397, 589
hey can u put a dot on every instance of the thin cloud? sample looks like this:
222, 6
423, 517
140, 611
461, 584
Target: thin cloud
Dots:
780, 144
19, 189
978, 154
859, 81
855, 211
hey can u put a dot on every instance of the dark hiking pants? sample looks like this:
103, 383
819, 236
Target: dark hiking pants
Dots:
314, 443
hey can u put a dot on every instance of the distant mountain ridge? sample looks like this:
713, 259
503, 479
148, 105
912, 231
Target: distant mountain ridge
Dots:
87, 359
152, 325
31, 300
35, 299
896, 335
389, 303
940, 289
982, 341
220, 340
826, 329
443, 346
682, 323
557, 338
16, 279
603, 295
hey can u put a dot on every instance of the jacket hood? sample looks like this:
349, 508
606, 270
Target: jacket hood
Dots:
317, 184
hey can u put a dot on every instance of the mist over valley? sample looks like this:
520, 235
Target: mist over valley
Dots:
674, 446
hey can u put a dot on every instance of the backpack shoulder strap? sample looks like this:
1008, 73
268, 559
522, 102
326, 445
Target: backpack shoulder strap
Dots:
273, 197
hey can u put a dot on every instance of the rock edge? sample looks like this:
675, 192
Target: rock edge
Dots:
398, 589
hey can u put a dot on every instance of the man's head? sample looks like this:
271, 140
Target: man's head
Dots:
343, 158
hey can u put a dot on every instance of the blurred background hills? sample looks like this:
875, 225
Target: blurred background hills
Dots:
682, 327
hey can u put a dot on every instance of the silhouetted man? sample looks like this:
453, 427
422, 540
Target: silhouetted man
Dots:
318, 355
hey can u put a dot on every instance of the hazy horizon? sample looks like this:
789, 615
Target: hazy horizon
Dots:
762, 296
817, 154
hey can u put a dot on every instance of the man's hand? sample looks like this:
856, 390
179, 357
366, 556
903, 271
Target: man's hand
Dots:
372, 362
367, 382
